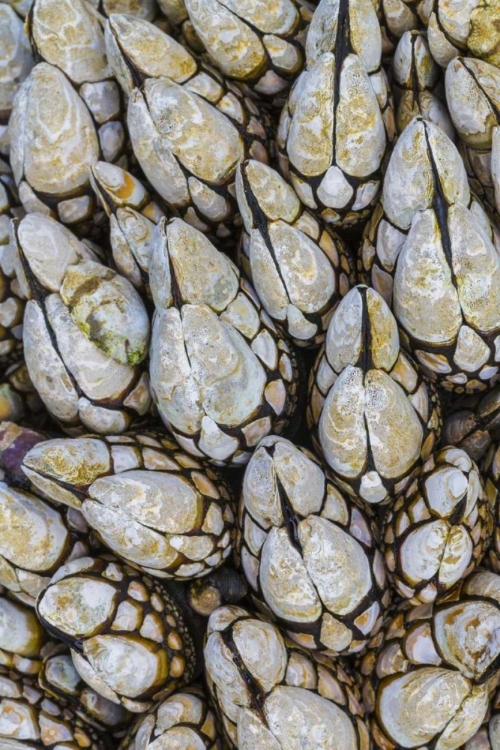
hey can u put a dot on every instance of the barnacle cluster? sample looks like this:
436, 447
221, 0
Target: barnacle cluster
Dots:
249, 375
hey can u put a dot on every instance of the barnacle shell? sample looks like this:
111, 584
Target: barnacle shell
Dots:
438, 530
189, 126
150, 503
221, 375
429, 678
272, 694
253, 42
53, 143
11, 304
469, 26
86, 329
473, 423
31, 719
308, 553
374, 417
59, 678
15, 64
69, 35
54, 537
299, 268
133, 645
488, 737
22, 638
432, 249
417, 84
183, 721
397, 17
473, 100
332, 135
132, 219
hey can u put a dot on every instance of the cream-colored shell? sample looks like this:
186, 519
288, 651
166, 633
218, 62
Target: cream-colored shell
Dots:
299, 268
183, 721
15, 56
301, 700
308, 553
431, 673
221, 375
119, 618
438, 530
373, 416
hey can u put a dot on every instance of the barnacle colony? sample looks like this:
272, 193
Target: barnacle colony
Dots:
249, 375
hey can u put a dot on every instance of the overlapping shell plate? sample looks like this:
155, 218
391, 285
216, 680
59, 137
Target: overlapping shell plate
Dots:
373, 416
86, 330
473, 423
270, 693
222, 376
439, 529
183, 721
154, 506
129, 640
253, 42
338, 120
308, 553
299, 268
429, 679
31, 719
432, 249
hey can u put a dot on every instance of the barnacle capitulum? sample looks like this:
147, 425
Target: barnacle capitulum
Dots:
397, 17
53, 142
189, 127
259, 44
417, 84
374, 417
11, 303
438, 530
15, 64
22, 638
299, 267
184, 721
473, 100
86, 330
338, 120
429, 676
31, 719
156, 507
59, 678
259, 681
469, 27
54, 537
222, 376
488, 737
308, 553
431, 248
69, 35
128, 635
133, 214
